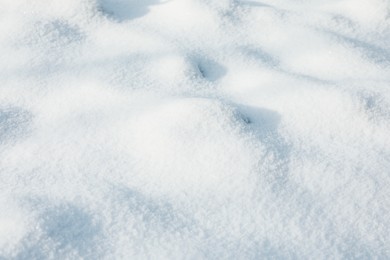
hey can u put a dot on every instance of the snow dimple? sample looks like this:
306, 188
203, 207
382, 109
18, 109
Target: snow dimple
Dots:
211, 70
122, 10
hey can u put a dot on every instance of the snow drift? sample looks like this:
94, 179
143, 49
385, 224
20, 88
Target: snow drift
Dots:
194, 129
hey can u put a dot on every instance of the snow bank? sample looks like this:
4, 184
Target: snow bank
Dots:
194, 129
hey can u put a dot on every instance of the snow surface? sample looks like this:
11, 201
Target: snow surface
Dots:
195, 129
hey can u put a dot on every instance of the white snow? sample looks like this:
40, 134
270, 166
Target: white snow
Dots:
195, 129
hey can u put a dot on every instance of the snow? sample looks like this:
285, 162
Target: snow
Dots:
194, 129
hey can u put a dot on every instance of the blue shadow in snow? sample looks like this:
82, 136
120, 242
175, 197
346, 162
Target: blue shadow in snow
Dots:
14, 122
155, 213
122, 10
69, 228
264, 124
261, 55
373, 52
210, 69
254, 4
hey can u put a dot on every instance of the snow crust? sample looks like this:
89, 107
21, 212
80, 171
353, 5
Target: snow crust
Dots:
195, 129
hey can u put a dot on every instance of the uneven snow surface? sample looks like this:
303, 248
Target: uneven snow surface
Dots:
195, 129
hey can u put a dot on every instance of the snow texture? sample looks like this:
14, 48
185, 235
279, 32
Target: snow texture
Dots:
195, 129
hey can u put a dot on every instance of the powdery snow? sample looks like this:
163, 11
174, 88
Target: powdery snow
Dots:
195, 129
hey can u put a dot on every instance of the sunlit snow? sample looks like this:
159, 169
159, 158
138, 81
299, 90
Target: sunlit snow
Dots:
195, 129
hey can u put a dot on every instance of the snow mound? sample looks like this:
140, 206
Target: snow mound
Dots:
175, 129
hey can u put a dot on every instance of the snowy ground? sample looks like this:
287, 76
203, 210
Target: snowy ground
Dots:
195, 129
